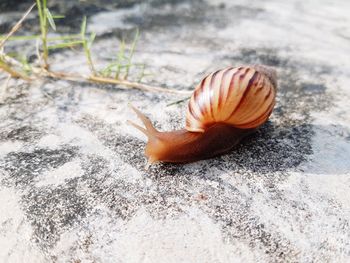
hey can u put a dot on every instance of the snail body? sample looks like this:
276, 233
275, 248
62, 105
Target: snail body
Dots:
226, 106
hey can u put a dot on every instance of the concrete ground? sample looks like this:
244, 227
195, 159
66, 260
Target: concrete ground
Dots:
73, 184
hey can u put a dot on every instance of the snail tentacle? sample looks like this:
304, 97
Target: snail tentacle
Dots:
150, 131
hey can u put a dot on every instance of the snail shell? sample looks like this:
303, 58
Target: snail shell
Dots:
243, 97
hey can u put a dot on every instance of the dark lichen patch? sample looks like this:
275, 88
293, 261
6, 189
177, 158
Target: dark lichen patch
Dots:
111, 139
313, 88
9, 5
52, 211
196, 13
156, 21
23, 167
24, 133
15, 94
231, 207
74, 11
272, 148
123, 197
294, 97
21, 108
5, 27
265, 56
107, 188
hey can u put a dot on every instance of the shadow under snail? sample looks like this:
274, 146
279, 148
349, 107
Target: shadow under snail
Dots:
226, 106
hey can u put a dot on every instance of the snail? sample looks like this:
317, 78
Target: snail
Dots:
226, 106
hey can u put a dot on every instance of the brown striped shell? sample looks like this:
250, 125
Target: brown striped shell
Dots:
243, 97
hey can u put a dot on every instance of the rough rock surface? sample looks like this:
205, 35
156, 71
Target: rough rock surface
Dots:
73, 187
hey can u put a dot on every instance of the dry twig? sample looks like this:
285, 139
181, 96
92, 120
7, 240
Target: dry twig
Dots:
127, 84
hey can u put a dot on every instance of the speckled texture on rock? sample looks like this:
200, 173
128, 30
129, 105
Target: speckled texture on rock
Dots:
73, 187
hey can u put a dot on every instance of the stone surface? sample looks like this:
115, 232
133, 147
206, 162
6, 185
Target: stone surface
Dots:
73, 187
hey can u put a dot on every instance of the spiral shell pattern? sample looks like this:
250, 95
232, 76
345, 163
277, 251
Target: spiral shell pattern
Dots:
243, 97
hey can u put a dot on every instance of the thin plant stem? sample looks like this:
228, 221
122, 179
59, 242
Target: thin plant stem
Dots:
137, 85
66, 44
120, 58
34, 37
132, 51
178, 102
105, 80
86, 46
43, 28
142, 74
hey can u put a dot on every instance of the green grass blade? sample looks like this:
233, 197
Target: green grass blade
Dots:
15, 38
83, 28
132, 51
40, 11
58, 16
43, 29
27, 68
178, 101
120, 58
50, 19
142, 74
65, 45
34, 37
86, 45
91, 40
134, 43
67, 37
